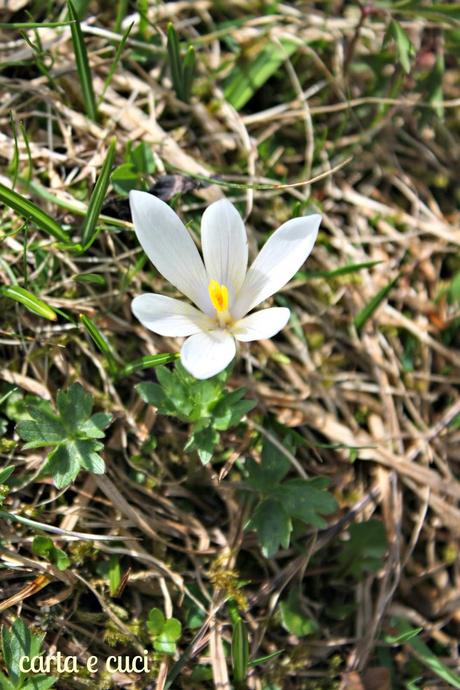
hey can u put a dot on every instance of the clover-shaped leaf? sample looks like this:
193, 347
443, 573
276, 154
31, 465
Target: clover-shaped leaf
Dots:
164, 632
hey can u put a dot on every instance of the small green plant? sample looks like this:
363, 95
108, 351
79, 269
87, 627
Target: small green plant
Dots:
283, 501
72, 432
292, 617
19, 642
204, 404
182, 69
44, 547
164, 631
137, 165
364, 551
405, 50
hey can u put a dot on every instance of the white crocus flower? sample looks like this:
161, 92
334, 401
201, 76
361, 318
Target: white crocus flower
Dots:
223, 289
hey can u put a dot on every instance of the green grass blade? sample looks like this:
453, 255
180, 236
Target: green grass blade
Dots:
148, 362
93, 278
175, 62
14, 164
28, 300
122, 10
115, 62
33, 25
366, 313
81, 60
427, 657
29, 153
240, 652
249, 77
263, 659
188, 71
337, 272
78, 210
88, 233
100, 341
28, 210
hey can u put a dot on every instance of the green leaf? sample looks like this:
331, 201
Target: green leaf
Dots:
86, 452
94, 427
403, 637
437, 10
432, 85
454, 289
164, 645
33, 25
365, 549
365, 314
63, 465
292, 618
153, 394
337, 272
74, 405
5, 473
404, 47
182, 71
230, 409
148, 362
306, 500
240, 651
6, 684
188, 71
204, 442
16, 643
124, 179
273, 526
172, 629
174, 388
271, 470
142, 158
28, 210
194, 615
165, 641
100, 341
88, 233
32, 303
44, 428
266, 657
427, 657
71, 430
114, 572
60, 559
250, 75
93, 278
40, 683
81, 60
155, 621
42, 545
115, 61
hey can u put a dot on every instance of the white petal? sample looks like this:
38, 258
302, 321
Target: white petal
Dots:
170, 247
281, 256
262, 324
167, 316
206, 354
225, 245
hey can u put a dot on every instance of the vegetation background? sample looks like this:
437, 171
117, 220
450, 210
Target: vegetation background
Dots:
307, 540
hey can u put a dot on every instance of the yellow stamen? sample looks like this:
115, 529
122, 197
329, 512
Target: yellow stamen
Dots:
219, 296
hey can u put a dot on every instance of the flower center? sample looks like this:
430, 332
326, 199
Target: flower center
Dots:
219, 296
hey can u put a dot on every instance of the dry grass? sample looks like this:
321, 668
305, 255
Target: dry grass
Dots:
378, 407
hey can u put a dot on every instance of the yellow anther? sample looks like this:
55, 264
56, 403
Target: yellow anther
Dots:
219, 296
